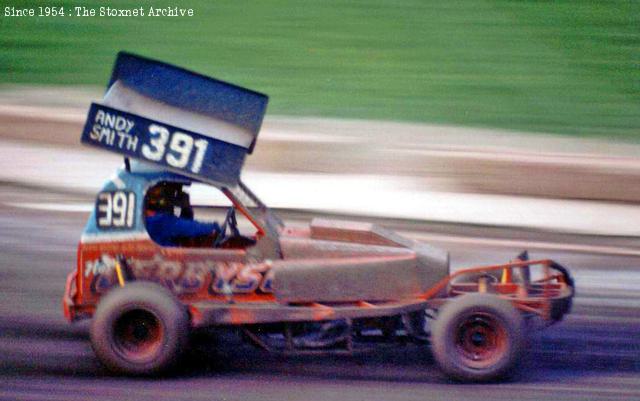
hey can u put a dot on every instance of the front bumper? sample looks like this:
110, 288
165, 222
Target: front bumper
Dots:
561, 306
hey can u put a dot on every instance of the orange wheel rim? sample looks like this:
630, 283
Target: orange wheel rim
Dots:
138, 334
480, 340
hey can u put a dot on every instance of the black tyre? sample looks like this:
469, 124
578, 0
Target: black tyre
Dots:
140, 329
477, 338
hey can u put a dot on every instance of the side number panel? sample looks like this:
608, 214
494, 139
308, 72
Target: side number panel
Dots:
179, 150
115, 209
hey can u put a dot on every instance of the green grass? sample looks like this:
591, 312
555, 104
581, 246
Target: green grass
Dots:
552, 66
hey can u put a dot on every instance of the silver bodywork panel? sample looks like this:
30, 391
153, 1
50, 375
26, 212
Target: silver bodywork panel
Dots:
346, 262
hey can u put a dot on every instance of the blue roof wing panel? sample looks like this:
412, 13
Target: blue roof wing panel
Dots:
191, 92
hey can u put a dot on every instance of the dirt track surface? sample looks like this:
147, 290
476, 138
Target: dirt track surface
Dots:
442, 157
592, 354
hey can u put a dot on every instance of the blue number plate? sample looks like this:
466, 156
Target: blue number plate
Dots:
181, 151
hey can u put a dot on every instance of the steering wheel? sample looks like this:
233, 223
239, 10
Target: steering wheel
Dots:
230, 223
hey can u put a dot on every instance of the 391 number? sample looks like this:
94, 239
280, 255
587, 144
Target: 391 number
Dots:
115, 209
180, 150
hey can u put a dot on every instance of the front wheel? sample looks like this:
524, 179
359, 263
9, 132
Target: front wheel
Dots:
477, 338
139, 329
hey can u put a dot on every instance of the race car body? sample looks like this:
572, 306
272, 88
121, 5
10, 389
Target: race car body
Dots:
328, 261
285, 287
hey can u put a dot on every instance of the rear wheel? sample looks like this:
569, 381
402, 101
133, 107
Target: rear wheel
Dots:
477, 337
139, 329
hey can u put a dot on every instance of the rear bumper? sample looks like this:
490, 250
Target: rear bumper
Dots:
70, 291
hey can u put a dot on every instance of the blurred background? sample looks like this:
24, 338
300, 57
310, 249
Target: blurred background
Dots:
495, 96
557, 67
483, 127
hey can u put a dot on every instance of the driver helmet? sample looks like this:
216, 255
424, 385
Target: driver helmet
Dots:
163, 197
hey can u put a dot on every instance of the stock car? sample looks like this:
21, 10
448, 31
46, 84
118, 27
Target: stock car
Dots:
326, 287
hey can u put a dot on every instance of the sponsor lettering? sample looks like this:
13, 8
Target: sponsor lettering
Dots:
114, 130
224, 278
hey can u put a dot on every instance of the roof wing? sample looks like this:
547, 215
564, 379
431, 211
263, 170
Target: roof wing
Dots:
180, 120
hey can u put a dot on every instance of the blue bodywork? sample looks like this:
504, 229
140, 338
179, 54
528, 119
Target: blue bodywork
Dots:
137, 182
